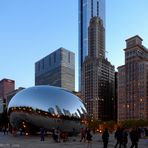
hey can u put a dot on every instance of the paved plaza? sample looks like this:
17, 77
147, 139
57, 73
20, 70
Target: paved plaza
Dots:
7, 141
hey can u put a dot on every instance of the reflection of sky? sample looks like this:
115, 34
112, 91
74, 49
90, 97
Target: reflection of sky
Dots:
45, 97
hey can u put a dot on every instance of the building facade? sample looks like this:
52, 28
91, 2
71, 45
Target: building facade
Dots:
6, 86
116, 97
56, 69
97, 74
133, 82
87, 10
1, 106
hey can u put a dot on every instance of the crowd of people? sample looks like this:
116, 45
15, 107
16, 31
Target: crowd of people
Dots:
121, 135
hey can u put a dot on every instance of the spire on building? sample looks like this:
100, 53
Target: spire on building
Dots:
96, 38
92, 3
98, 8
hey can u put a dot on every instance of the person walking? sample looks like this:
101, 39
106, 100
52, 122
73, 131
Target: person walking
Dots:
83, 135
89, 138
125, 137
105, 137
119, 137
134, 136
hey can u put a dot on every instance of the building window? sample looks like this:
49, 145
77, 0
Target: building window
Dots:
54, 56
39, 66
49, 60
69, 57
43, 64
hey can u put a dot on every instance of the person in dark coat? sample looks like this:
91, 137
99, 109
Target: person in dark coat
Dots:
105, 137
83, 135
119, 137
125, 137
88, 138
134, 136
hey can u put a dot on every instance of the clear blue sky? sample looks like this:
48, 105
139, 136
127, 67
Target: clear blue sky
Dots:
31, 29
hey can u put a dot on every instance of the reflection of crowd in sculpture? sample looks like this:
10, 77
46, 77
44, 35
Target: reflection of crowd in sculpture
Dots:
57, 135
5, 130
42, 133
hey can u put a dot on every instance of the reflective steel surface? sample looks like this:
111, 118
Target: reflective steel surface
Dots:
47, 106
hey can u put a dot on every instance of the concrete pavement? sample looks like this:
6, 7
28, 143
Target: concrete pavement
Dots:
9, 141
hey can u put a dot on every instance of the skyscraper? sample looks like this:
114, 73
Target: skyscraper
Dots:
133, 82
97, 83
6, 86
87, 10
57, 69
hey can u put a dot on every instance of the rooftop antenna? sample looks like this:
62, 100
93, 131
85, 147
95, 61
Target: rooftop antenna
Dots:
92, 8
98, 5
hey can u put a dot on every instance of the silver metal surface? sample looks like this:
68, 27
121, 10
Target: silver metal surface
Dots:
47, 106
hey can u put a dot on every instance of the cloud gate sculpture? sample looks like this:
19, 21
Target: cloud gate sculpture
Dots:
47, 107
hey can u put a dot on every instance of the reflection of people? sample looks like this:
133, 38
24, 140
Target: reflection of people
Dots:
105, 137
42, 133
56, 135
88, 138
7, 130
4, 130
21, 131
14, 131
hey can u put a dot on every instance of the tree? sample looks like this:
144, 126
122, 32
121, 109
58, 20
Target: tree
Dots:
4, 118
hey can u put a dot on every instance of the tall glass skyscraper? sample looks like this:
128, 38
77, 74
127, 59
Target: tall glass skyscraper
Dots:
87, 10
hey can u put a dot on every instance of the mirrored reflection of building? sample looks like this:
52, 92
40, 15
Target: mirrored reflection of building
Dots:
59, 111
51, 110
67, 112
133, 82
12, 93
56, 69
87, 10
46, 106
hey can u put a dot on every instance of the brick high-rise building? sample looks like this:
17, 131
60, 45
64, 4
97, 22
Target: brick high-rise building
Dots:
6, 86
133, 82
116, 96
56, 69
97, 74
